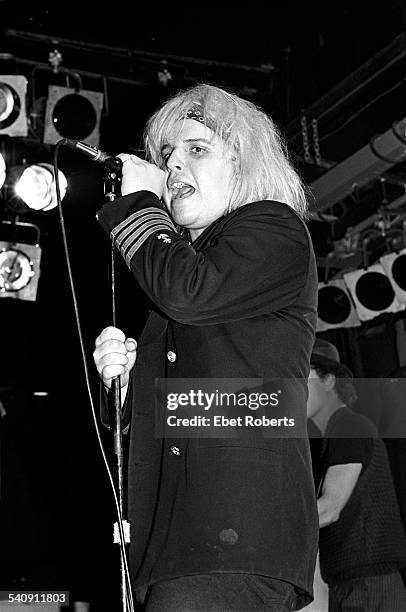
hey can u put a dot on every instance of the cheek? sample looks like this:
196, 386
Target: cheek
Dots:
229, 179
221, 185
313, 394
215, 184
311, 407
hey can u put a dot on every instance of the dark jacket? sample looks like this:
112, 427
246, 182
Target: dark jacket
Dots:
240, 302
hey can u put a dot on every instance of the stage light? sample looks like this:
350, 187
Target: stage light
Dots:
2, 171
372, 292
72, 114
20, 262
13, 117
36, 186
335, 306
394, 265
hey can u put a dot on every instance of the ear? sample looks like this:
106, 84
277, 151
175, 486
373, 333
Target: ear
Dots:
329, 381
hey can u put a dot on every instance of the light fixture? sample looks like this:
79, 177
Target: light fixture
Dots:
74, 114
13, 117
372, 292
394, 265
335, 306
2, 171
35, 185
20, 264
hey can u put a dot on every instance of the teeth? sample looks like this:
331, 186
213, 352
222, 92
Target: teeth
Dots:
179, 189
178, 185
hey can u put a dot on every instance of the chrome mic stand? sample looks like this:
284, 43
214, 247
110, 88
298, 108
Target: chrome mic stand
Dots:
112, 189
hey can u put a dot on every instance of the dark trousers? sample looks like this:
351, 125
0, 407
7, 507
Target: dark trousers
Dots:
386, 593
220, 593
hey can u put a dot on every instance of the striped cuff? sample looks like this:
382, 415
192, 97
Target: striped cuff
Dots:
130, 234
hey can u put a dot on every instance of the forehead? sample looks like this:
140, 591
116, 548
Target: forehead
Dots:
190, 129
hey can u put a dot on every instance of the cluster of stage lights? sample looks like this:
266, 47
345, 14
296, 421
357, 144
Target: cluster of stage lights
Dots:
34, 185
363, 294
69, 114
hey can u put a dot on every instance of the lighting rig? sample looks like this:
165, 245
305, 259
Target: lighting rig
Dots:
27, 177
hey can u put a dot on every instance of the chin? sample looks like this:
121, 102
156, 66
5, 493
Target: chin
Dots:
183, 219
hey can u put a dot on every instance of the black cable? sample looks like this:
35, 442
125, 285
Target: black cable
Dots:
130, 601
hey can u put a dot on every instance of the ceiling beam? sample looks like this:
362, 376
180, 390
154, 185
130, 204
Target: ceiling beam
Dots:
370, 162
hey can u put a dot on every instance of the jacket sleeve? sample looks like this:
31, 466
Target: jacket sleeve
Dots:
258, 263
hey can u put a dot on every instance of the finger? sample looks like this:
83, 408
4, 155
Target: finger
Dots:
108, 347
127, 157
108, 372
113, 359
130, 344
136, 159
110, 333
124, 156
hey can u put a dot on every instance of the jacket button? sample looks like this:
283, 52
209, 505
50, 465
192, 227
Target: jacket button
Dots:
171, 356
175, 450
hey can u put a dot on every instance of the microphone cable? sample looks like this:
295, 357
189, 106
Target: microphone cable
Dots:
130, 601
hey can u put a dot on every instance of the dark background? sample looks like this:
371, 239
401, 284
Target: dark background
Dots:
57, 509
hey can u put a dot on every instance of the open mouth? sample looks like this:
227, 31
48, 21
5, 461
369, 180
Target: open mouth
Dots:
181, 190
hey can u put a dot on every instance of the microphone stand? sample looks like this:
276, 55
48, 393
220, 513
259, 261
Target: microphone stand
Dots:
112, 189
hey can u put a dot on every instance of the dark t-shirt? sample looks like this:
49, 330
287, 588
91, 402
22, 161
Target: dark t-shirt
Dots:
349, 439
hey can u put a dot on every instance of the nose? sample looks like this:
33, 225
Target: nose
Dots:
174, 161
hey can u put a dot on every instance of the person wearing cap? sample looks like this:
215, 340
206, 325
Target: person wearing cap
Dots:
212, 227
362, 542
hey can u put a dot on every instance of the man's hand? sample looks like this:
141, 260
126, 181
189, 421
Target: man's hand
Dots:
140, 175
114, 355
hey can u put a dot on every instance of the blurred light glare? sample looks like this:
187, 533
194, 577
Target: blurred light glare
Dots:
36, 187
2, 171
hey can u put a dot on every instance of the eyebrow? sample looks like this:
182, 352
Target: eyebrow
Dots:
188, 140
198, 140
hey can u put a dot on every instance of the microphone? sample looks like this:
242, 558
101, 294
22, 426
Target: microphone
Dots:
96, 155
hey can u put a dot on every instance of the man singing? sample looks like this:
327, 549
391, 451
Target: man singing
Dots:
212, 228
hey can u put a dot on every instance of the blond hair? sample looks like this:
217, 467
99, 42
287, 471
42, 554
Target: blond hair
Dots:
264, 170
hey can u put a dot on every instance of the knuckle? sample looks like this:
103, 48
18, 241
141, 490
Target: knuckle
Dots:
106, 372
116, 359
112, 332
118, 346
